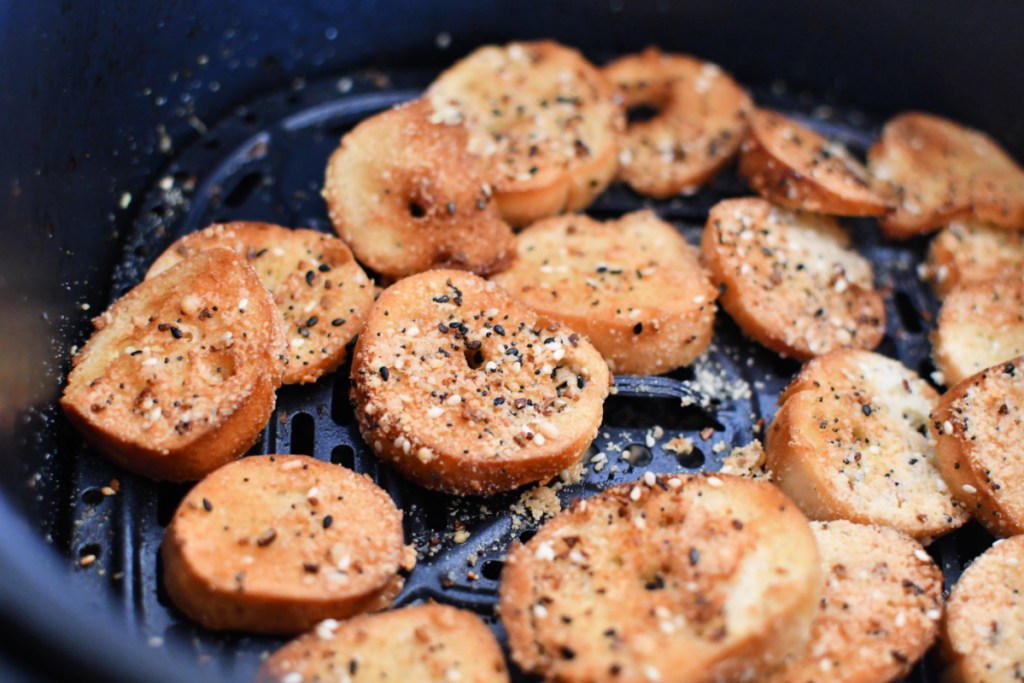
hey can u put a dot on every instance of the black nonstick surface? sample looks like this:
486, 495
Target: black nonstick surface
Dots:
265, 162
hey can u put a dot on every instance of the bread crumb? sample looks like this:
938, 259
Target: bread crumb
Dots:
747, 461
680, 445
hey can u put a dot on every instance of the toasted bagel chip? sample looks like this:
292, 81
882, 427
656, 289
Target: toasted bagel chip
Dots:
428, 643
321, 293
983, 630
175, 380
979, 325
542, 121
464, 389
277, 543
979, 429
405, 193
933, 170
697, 128
851, 441
789, 164
966, 252
880, 611
681, 578
791, 281
633, 286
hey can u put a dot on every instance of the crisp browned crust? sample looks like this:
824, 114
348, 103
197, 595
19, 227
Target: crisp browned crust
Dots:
428, 643
464, 389
698, 128
880, 611
979, 428
851, 442
176, 380
791, 281
979, 325
542, 121
322, 294
983, 628
968, 251
789, 164
933, 170
407, 196
277, 543
681, 578
633, 286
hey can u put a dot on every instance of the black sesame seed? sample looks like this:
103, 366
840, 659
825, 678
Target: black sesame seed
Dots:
313, 320
638, 328
498, 329
866, 409
384, 373
207, 505
694, 557
328, 521
303, 332
324, 268
309, 277
498, 401
338, 322
176, 333
451, 208
443, 299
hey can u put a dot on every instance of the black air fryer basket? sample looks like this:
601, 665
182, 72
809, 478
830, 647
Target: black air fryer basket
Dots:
130, 124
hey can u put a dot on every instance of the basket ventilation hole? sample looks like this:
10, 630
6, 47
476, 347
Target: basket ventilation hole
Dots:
303, 434
692, 460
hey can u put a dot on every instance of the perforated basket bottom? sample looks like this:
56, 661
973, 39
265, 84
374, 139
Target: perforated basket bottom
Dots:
266, 162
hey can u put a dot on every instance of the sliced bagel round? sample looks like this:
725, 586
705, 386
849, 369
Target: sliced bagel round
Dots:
427, 643
933, 170
968, 251
277, 543
320, 291
851, 441
542, 121
880, 611
979, 325
464, 389
176, 380
979, 430
681, 578
789, 164
983, 628
633, 286
405, 193
791, 281
697, 128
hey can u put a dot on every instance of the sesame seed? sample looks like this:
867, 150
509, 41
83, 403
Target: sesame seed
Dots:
922, 555
328, 521
947, 427
649, 478
207, 505
969, 489
715, 482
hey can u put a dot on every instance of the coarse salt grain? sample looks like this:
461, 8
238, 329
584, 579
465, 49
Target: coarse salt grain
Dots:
544, 551
326, 628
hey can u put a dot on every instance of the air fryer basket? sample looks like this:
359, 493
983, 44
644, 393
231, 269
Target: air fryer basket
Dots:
138, 129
